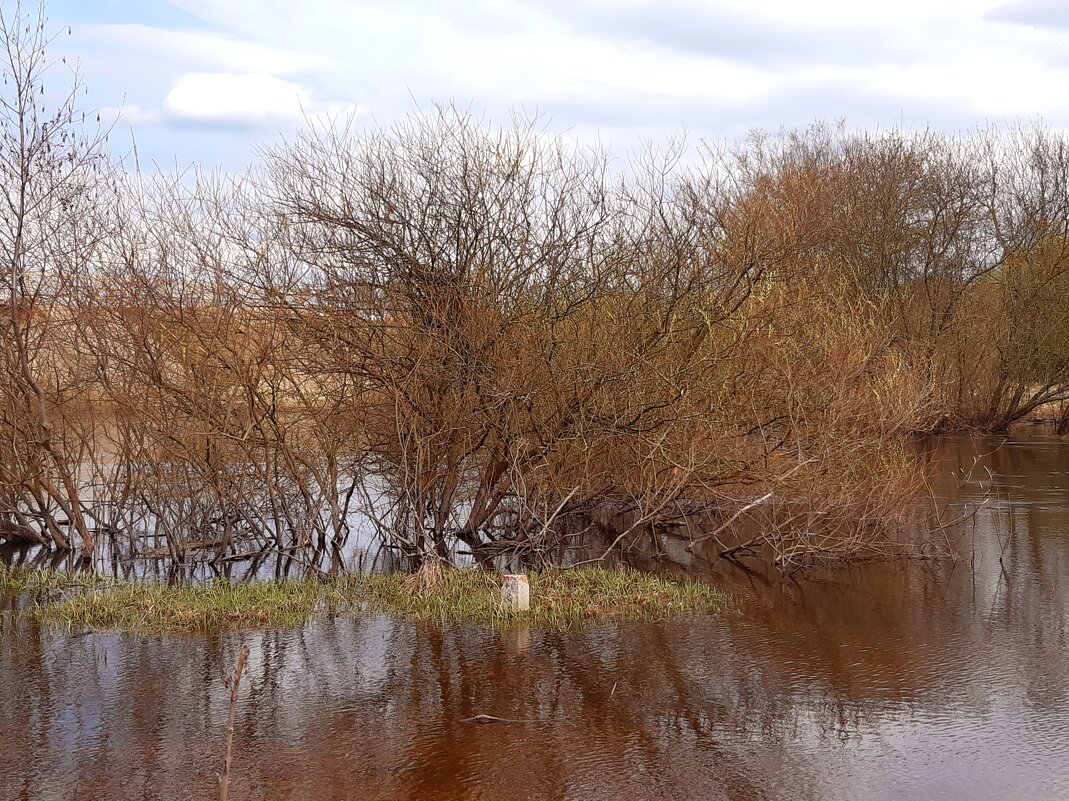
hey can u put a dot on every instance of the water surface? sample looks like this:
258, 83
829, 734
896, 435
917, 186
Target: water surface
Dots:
930, 680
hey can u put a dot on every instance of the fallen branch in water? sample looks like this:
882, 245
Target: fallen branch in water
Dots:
727, 552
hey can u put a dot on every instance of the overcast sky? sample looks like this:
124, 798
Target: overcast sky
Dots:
206, 81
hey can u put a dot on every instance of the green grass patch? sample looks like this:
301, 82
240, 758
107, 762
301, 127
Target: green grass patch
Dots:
558, 598
212, 607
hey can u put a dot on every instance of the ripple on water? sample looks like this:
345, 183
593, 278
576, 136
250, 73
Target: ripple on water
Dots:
933, 681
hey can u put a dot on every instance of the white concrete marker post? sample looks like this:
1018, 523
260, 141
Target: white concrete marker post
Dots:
516, 593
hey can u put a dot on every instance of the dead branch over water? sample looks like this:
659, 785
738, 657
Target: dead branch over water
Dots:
451, 332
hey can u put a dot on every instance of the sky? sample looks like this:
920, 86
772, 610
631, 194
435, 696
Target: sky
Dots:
211, 82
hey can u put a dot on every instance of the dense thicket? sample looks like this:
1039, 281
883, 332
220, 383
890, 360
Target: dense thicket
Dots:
452, 332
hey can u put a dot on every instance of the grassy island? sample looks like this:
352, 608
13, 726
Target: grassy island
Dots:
558, 598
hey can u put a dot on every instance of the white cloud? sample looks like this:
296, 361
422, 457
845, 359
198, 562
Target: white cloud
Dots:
244, 101
249, 102
620, 69
132, 115
147, 46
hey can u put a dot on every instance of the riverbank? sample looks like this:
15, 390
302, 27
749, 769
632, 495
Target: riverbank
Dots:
559, 598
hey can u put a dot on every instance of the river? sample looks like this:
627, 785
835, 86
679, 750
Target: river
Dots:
932, 679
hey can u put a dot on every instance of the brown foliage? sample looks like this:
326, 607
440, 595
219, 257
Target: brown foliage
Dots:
451, 333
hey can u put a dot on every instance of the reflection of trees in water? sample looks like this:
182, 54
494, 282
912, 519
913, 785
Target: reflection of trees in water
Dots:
770, 701
1021, 545
311, 563
371, 708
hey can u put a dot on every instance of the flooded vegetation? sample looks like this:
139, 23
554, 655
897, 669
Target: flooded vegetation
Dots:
891, 680
451, 336
80, 602
748, 415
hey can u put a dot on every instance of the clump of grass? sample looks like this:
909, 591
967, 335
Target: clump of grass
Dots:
558, 598
212, 607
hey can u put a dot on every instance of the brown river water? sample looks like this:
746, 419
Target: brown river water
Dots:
916, 680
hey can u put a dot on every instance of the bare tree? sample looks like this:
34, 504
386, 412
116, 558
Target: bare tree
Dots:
50, 173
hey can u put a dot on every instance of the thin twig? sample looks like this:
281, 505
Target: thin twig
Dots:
748, 507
